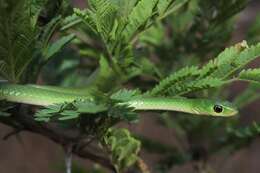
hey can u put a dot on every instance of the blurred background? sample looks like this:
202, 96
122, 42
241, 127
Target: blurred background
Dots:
29, 153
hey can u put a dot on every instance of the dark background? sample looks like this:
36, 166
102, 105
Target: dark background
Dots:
29, 153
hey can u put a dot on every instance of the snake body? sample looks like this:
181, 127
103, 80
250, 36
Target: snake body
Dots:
48, 95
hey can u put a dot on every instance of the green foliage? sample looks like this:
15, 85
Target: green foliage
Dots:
126, 95
168, 6
94, 105
250, 75
68, 111
179, 76
17, 37
239, 137
154, 35
57, 46
4, 107
213, 74
22, 39
139, 17
35, 7
156, 47
224, 64
245, 57
123, 147
126, 21
246, 132
100, 17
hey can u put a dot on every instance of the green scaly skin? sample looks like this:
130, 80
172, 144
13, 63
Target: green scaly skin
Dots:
48, 95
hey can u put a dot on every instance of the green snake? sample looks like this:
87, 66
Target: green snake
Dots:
47, 95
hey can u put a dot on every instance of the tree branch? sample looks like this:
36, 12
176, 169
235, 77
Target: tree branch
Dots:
20, 119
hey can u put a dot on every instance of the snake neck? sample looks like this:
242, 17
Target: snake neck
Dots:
171, 104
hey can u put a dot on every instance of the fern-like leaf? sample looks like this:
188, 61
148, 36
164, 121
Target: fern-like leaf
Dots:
49, 31
103, 13
100, 17
70, 21
67, 111
125, 95
167, 7
35, 7
163, 6
233, 59
196, 85
123, 148
55, 47
139, 17
17, 37
238, 137
220, 66
250, 75
246, 56
173, 80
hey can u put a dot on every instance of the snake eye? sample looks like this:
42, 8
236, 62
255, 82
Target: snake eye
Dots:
218, 108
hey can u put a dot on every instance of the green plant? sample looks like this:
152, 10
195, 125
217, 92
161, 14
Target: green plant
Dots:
152, 47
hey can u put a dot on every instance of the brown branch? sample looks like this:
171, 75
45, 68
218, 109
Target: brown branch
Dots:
143, 166
12, 133
21, 119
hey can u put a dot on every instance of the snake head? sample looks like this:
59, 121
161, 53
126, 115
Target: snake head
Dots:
223, 109
214, 108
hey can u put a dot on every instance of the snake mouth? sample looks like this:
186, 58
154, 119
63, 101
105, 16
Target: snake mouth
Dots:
234, 113
231, 113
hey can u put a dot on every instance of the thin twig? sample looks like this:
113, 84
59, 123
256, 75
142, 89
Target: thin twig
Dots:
142, 166
10, 134
68, 157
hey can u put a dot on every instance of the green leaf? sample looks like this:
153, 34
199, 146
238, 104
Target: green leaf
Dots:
246, 56
154, 35
139, 17
17, 39
70, 21
71, 110
123, 112
48, 31
180, 76
125, 6
163, 6
166, 7
55, 47
85, 16
123, 147
48, 112
68, 115
231, 60
4, 107
125, 95
100, 17
196, 85
244, 134
222, 64
90, 107
250, 75
103, 13
102, 77
35, 7
211, 75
